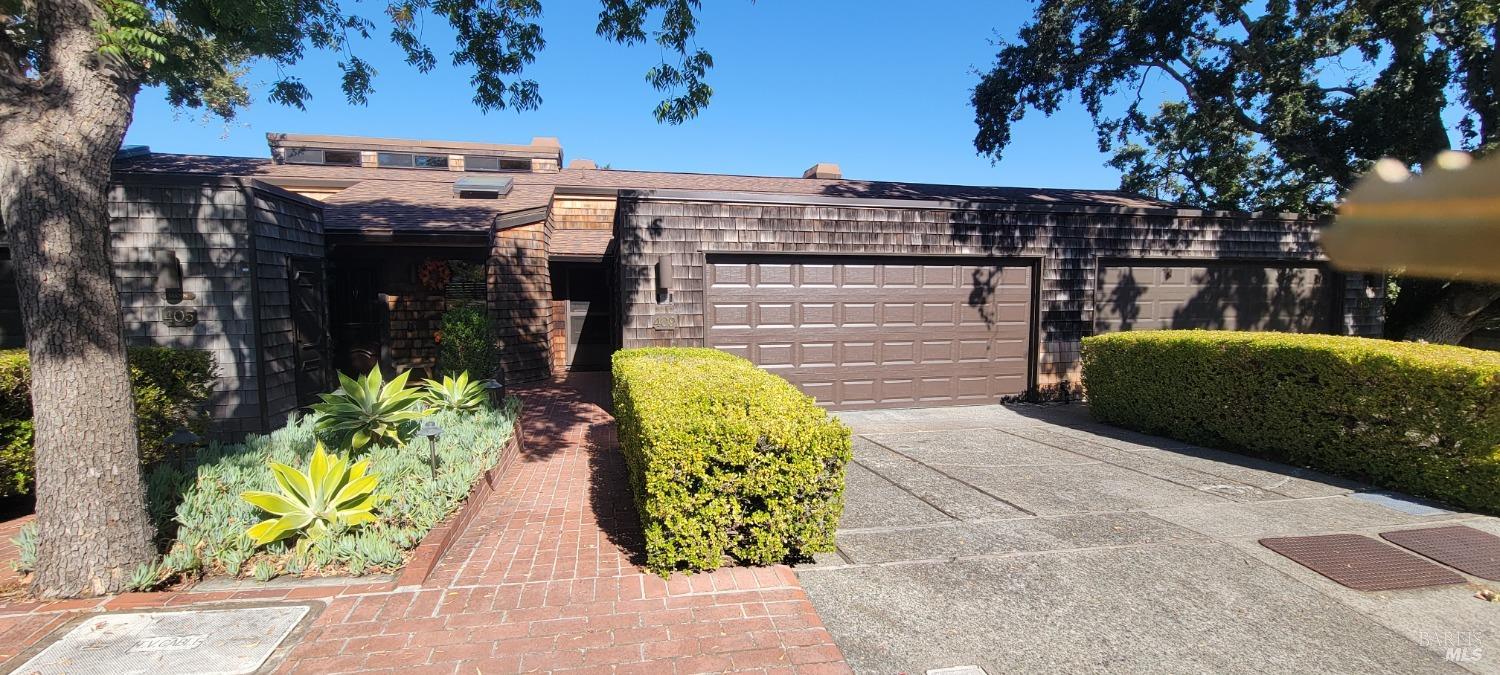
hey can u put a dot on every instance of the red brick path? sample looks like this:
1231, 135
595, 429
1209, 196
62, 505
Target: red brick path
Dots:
545, 579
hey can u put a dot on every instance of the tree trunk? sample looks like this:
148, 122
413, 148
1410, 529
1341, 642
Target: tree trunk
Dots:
56, 144
1448, 314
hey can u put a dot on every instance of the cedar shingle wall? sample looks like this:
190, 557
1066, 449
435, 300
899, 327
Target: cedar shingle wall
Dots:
520, 299
207, 227
283, 228
210, 228
1067, 246
583, 213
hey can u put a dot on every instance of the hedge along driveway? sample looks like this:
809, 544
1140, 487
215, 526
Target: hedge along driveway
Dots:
1420, 418
726, 459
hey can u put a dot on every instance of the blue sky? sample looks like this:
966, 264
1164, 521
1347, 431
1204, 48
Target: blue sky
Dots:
879, 87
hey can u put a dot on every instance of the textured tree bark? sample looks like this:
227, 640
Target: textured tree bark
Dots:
57, 140
1447, 314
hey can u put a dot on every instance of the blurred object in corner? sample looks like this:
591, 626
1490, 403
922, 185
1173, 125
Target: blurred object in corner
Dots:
1442, 223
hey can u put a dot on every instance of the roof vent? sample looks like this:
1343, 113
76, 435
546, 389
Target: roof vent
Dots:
823, 170
128, 151
582, 164
482, 187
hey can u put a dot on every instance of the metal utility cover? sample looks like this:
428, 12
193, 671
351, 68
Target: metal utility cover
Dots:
163, 643
1362, 563
1465, 548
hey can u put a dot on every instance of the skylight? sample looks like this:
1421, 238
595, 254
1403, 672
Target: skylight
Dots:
482, 187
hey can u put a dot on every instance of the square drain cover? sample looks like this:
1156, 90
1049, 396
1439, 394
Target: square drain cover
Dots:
165, 643
1465, 548
1362, 563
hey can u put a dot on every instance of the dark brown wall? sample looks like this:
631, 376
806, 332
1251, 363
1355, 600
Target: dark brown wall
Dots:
1067, 243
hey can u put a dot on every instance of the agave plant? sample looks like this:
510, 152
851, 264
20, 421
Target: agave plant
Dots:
330, 493
455, 394
369, 409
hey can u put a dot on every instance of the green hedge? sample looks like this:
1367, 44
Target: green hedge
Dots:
1423, 419
467, 342
726, 460
170, 385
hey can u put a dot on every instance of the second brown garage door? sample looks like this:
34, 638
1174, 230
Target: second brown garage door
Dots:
876, 333
1147, 295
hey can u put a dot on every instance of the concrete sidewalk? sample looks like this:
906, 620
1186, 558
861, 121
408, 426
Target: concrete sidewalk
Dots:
1030, 538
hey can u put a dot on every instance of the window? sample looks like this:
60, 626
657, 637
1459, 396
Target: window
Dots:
400, 159
341, 157
492, 163
407, 160
303, 156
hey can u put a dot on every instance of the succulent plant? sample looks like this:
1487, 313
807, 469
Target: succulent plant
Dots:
455, 394
368, 409
331, 494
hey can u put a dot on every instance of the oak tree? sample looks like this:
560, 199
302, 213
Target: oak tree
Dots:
1276, 105
69, 74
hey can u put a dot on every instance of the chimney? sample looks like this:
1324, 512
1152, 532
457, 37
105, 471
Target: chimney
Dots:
582, 164
823, 170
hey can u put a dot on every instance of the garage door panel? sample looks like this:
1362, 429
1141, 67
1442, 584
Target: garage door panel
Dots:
1151, 296
861, 333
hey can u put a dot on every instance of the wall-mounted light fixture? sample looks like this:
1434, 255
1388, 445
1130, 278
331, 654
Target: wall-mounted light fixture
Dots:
169, 276
663, 280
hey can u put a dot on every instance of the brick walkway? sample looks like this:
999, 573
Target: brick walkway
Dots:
545, 579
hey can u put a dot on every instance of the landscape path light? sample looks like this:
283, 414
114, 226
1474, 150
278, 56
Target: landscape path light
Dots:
431, 431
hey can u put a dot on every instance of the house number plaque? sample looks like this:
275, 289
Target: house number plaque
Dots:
664, 322
179, 317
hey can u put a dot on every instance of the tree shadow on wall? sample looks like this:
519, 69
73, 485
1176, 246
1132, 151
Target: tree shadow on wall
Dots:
1124, 300
1239, 298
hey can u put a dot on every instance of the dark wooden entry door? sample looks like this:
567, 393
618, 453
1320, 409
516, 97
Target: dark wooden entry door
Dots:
872, 332
585, 290
310, 322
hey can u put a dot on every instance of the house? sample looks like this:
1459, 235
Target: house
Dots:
342, 252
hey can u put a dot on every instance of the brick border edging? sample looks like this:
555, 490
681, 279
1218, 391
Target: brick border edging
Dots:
425, 557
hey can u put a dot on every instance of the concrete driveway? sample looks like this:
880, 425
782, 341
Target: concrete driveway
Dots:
1031, 538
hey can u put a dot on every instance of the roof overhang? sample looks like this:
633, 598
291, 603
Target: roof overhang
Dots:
854, 201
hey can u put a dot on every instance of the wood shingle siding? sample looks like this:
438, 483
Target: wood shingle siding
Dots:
1067, 244
232, 238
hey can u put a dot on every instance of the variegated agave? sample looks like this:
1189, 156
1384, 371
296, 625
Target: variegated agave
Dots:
369, 409
455, 394
331, 493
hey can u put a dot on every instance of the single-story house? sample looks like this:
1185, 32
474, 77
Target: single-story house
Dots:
342, 252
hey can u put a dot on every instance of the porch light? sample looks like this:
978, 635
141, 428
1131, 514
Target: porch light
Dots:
663, 280
169, 276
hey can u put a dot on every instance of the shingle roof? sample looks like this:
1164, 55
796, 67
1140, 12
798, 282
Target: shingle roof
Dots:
423, 200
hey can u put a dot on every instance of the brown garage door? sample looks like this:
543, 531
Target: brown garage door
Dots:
876, 333
1139, 295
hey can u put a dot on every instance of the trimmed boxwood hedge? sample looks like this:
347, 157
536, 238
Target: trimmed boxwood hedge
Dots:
1423, 419
726, 460
170, 387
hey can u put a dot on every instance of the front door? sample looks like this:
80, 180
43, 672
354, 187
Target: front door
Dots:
310, 322
585, 290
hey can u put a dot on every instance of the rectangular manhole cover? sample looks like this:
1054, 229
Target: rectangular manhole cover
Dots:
166, 643
1464, 548
1362, 563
